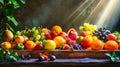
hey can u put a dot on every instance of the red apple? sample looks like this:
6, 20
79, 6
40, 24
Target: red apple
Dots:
63, 34
53, 35
66, 47
38, 47
111, 37
82, 33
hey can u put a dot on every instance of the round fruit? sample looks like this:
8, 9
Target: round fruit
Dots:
111, 45
19, 39
97, 45
56, 29
30, 45
52, 58
6, 45
40, 58
7, 35
111, 37
59, 41
49, 45
79, 39
72, 34
86, 41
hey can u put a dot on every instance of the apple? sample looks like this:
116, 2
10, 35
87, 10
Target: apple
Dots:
63, 34
82, 33
38, 47
111, 37
19, 39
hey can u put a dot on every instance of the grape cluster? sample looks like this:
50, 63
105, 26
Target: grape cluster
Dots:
34, 34
102, 33
77, 47
88, 27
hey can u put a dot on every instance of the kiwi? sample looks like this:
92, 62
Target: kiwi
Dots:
7, 35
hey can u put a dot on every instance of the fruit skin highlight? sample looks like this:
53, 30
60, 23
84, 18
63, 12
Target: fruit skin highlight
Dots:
111, 45
49, 45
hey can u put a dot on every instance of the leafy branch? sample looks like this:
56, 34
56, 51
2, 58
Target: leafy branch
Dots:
7, 8
114, 56
8, 55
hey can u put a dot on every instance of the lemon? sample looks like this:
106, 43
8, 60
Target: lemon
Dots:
49, 45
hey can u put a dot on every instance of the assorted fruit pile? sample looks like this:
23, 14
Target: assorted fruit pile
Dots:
37, 38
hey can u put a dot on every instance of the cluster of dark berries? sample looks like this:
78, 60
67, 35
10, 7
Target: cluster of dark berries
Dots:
102, 34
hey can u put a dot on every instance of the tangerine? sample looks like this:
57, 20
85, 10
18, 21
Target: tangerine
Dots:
111, 45
56, 29
59, 40
30, 45
97, 45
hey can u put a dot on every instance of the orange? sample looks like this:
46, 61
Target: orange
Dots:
111, 45
30, 45
59, 40
49, 44
6, 45
86, 41
97, 45
56, 29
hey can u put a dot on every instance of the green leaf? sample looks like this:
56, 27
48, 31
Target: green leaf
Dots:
11, 18
2, 1
114, 56
23, 1
2, 52
15, 3
8, 10
10, 27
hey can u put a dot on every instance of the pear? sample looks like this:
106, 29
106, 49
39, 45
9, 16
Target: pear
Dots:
7, 35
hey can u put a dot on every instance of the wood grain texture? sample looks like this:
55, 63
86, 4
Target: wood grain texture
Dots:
64, 54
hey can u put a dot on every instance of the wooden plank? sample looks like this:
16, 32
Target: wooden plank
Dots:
66, 54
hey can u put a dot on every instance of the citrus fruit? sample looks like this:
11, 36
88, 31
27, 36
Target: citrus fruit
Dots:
30, 44
97, 45
86, 41
111, 45
59, 41
6, 45
56, 29
49, 45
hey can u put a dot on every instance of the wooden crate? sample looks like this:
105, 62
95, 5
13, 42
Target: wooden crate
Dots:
67, 54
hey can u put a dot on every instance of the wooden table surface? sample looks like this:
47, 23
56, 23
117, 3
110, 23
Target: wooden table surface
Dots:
62, 63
